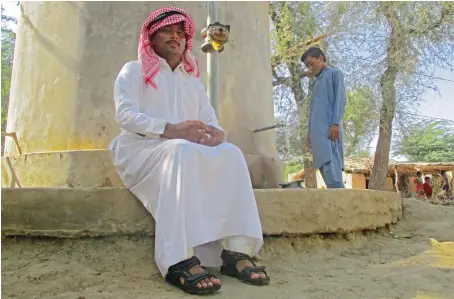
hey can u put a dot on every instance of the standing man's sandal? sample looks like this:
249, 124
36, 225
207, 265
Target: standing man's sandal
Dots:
230, 260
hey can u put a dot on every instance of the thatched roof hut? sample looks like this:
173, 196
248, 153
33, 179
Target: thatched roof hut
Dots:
426, 168
364, 166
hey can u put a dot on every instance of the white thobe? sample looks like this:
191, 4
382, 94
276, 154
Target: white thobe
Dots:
201, 197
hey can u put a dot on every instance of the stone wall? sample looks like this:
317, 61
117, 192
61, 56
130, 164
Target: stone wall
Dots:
115, 211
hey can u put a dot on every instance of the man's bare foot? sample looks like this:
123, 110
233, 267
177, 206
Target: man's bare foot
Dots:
207, 283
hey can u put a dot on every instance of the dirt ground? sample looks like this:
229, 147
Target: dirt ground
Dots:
402, 262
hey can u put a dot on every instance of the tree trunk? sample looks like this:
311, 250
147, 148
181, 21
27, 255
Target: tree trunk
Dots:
387, 111
303, 103
381, 159
310, 177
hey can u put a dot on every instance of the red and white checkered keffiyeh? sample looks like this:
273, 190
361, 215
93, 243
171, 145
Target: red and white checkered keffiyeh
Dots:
147, 56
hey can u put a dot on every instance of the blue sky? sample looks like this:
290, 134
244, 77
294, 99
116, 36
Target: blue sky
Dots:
440, 105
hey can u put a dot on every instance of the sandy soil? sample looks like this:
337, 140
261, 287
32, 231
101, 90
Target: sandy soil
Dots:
402, 264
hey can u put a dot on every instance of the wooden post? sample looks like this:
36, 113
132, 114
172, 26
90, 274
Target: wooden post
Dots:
396, 181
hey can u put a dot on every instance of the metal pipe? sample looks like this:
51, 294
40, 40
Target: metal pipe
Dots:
268, 128
213, 62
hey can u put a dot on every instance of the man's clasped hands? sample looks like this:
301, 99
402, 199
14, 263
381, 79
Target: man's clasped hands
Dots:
194, 131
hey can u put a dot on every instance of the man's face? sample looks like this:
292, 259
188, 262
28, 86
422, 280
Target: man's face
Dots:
169, 41
315, 65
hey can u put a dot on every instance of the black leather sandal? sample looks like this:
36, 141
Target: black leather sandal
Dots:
230, 260
181, 270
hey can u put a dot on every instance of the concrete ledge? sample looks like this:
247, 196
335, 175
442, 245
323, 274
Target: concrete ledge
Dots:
94, 169
65, 212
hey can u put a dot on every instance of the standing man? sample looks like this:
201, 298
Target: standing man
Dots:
427, 187
437, 184
325, 130
446, 185
419, 182
172, 154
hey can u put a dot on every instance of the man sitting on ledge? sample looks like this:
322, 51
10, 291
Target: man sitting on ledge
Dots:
172, 155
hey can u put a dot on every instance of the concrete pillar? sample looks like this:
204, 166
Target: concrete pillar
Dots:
67, 57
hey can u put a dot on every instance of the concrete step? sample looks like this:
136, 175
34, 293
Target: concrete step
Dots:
79, 212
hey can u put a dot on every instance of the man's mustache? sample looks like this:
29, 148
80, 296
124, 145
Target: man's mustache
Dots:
170, 41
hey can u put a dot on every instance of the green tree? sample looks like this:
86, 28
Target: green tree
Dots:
394, 48
414, 27
428, 142
8, 41
360, 122
401, 44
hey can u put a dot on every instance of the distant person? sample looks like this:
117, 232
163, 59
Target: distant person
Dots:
446, 186
419, 181
427, 187
325, 130
437, 184
452, 185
